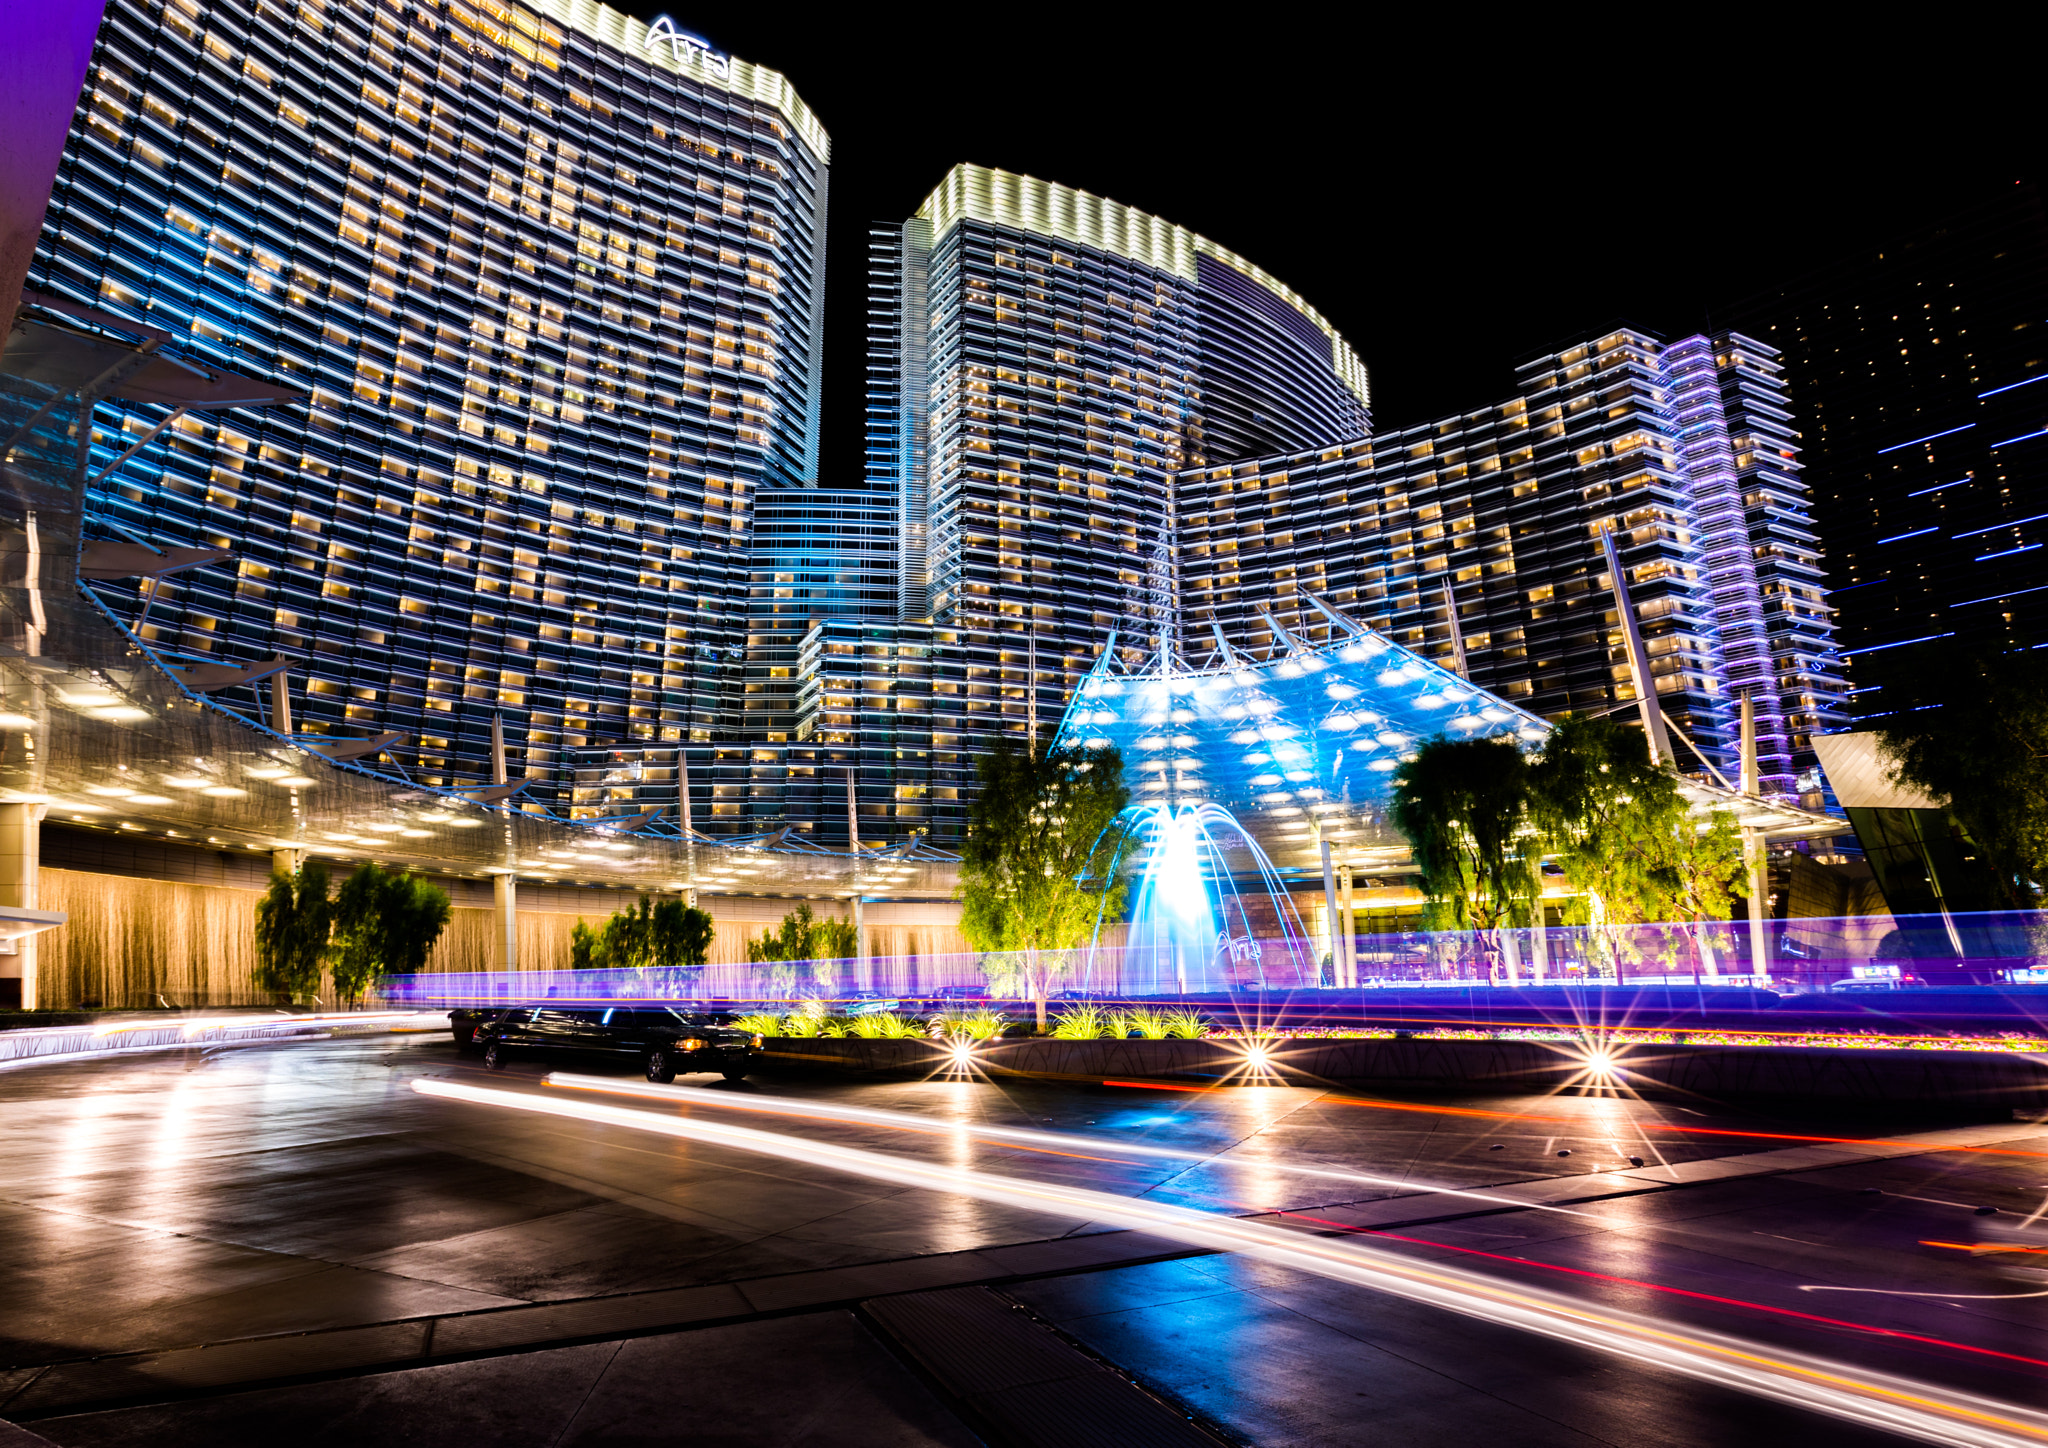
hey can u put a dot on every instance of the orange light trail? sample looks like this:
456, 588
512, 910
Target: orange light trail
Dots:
1648, 1126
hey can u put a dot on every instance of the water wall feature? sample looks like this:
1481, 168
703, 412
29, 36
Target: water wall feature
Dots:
1208, 911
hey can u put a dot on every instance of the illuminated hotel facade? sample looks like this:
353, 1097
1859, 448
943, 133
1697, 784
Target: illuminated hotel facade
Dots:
1486, 526
552, 283
1103, 431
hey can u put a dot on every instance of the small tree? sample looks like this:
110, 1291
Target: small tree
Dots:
681, 935
586, 948
293, 920
1464, 806
1610, 815
385, 922
1704, 867
801, 939
1040, 864
667, 936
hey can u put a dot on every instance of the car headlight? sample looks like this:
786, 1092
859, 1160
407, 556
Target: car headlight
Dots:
693, 1044
758, 1042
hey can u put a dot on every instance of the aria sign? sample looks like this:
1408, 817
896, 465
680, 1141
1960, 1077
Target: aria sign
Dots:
684, 47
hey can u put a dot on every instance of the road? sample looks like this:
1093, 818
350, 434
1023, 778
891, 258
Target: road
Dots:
213, 1244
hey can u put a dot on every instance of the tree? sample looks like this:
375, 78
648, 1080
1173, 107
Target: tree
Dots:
1631, 850
1040, 864
1602, 807
665, 936
1704, 868
292, 923
385, 922
1464, 806
1974, 732
682, 935
803, 939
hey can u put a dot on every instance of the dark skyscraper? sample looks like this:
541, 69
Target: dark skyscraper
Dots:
1918, 374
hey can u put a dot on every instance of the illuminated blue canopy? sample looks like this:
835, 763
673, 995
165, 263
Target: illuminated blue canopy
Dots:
1314, 727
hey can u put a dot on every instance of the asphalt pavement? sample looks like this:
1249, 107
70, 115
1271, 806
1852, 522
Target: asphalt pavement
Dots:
211, 1245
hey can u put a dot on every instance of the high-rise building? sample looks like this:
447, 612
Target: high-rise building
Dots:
1478, 538
1119, 437
1042, 364
1918, 374
552, 281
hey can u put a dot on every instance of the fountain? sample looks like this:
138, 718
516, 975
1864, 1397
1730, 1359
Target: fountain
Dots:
1208, 910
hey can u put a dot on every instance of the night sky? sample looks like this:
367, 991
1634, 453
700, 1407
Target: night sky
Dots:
1452, 198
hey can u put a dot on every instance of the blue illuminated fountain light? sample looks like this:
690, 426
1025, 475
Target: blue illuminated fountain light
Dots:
1229, 760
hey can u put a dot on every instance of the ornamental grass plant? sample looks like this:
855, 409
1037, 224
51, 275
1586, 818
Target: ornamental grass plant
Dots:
1081, 1023
885, 1026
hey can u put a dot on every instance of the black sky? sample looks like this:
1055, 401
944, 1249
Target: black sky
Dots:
1452, 195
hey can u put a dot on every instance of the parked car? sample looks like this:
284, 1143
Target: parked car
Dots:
662, 1040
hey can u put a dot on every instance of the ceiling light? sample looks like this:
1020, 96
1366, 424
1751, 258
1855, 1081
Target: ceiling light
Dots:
120, 715
149, 799
109, 791
180, 781
416, 834
295, 781
463, 824
16, 721
384, 829
91, 699
224, 791
268, 772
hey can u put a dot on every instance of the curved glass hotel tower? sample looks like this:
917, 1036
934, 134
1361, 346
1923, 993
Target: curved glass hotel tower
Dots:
1044, 363
552, 284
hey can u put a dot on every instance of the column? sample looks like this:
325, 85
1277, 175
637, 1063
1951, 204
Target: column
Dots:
281, 703
860, 948
287, 862
1348, 966
1330, 919
20, 857
505, 938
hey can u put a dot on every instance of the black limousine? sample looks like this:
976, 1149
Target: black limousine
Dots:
663, 1040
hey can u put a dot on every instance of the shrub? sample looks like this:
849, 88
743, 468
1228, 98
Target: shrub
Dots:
1188, 1025
1146, 1021
1081, 1023
886, 1025
978, 1025
759, 1024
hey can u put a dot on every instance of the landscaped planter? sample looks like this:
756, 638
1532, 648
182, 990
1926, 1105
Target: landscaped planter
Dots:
1995, 1080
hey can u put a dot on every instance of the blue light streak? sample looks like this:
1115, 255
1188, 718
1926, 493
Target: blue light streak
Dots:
2041, 432
1929, 438
1991, 597
1916, 533
2007, 553
2032, 518
2011, 385
1939, 487
1880, 648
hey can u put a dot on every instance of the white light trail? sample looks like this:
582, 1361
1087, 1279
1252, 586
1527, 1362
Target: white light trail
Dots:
1897, 1405
1060, 1141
